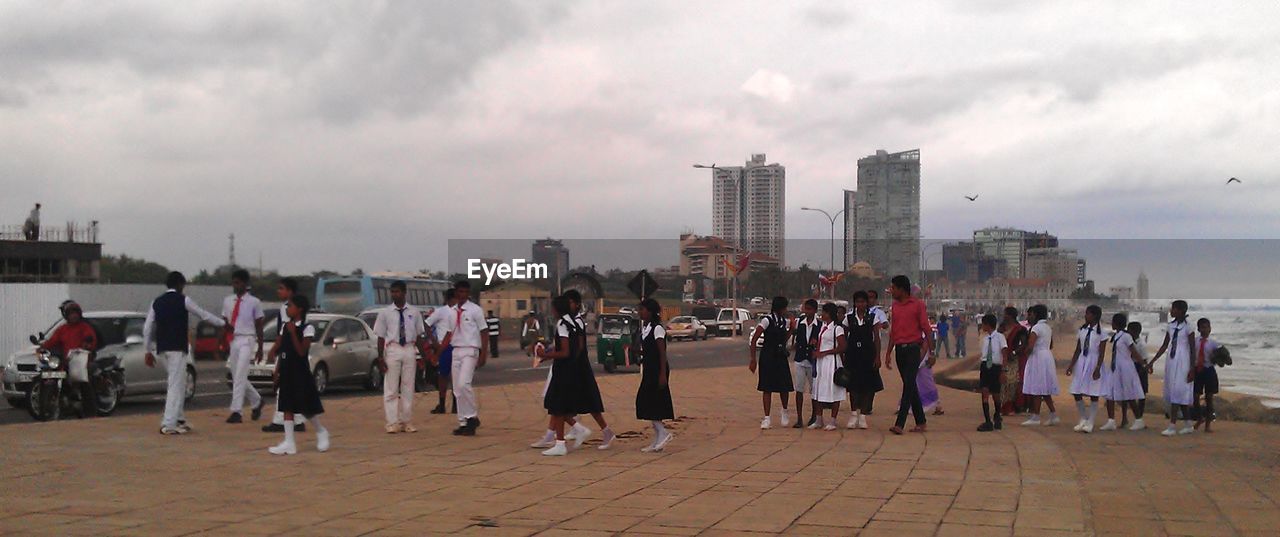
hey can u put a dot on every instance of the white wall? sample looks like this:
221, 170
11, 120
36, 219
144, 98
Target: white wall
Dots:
27, 308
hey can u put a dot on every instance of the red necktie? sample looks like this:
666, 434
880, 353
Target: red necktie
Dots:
1200, 358
235, 314
457, 322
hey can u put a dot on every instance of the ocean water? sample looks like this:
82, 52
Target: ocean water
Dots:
1254, 340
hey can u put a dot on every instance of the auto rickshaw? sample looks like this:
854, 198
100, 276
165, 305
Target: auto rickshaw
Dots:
615, 340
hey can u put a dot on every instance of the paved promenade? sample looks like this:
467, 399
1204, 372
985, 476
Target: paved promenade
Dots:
721, 475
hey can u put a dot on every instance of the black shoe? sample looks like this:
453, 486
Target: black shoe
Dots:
298, 428
986, 427
257, 410
273, 428
798, 425
235, 418
811, 422
463, 430
473, 423
439, 409
999, 424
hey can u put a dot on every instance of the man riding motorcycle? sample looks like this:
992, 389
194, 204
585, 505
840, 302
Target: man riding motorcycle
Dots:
71, 335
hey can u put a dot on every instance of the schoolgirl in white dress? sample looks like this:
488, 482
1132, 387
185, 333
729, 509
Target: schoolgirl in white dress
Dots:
1120, 380
1040, 382
1178, 385
1086, 368
831, 347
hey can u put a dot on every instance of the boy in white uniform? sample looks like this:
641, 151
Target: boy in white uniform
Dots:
995, 352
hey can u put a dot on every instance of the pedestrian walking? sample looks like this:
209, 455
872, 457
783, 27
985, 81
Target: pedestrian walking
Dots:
495, 327
1086, 368
284, 293
827, 395
470, 351
166, 331
438, 322
775, 372
910, 338
804, 345
1120, 382
1206, 376
243, 312
400, 330
572, 389
295, 384
944, 330
1144, 371
1179, 378
862, 353
530, 331
1015, 335
653, 397
994, 354
961, 329
1040, 383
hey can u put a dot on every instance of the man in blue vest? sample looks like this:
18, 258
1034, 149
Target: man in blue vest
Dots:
166, 332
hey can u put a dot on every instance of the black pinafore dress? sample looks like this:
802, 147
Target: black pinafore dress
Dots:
573, 388
774, 367
653, 400
297, 390
860, 355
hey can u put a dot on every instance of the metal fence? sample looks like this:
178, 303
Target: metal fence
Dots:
69, 232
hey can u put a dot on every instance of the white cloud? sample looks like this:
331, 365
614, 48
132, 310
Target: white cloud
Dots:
770, 85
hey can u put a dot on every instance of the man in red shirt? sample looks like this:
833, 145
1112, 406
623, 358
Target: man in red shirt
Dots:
71, 335
910, 335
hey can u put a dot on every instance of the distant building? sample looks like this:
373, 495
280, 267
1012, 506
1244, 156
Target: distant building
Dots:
887, 212
1144, 286
706, 257
1011, 245
964, 262
555, 256
999, 292
850, 227
748, 206
1054, 264
1122, 293
70, 255
515, 299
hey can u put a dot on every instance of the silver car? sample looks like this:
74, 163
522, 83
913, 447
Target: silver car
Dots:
344, 352
119, 336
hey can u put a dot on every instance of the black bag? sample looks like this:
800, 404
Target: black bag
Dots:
842, 378
1221, 357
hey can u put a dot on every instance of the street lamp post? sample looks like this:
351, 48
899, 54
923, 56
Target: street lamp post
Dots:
832, 218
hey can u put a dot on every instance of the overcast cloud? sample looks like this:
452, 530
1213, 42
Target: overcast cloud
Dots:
366, 134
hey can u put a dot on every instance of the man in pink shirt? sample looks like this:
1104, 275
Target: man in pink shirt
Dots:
910, 335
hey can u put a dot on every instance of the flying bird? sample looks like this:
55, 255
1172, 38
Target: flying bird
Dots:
1232, 180
972, 198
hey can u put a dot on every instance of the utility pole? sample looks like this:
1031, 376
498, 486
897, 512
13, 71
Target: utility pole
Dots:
232, 257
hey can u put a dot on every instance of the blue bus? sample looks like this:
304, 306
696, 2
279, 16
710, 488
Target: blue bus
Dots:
350, 295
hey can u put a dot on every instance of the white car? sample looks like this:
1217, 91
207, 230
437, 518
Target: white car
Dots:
687, 327
730, 321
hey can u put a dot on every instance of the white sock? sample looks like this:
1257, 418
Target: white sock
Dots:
1081, 409
288, 431
659, 428
315, 420
549, 436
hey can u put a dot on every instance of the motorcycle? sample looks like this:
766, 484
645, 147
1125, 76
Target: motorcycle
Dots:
54, 390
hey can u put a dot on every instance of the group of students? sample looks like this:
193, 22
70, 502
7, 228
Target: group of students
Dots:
571, 389
837, 357
1189, 371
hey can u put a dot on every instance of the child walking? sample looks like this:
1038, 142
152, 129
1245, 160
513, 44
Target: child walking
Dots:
572, 389
1206, 376
1144, 372
1040, 382
1179, 377
775, 372
653, 397
1120, 382
805, 342
831, 346
296, 386
862, 347
1086, 368
995, 353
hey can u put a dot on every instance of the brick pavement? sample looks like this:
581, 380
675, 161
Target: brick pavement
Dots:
721, 475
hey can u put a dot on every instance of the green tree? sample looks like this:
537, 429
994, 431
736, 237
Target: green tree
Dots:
125, 269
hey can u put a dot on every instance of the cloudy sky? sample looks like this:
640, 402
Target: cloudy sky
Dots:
367, 134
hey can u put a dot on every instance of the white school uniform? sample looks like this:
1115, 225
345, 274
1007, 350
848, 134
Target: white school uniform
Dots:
1177, 390
824, 386
1041, 376
1120, 372
1090, 339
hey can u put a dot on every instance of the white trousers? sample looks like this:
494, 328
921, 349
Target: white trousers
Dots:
240, 358
175, 398
397, 385
464, 369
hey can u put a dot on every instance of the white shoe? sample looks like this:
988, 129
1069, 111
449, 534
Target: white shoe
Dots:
817, 424
786, 421
862, 421
581, 438
1088, 427
766, 423
649, 448
1053, 420
558, 450
1079, 426
831, 425
661, 444
1033, 420
1110, 425
322, 440
577, 430
1138, 425
547, 440
1187, 430
608, 440
284, 448
1171, 431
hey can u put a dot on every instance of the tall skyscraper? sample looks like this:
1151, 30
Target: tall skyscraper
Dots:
850, 228
1144, 286
1011, 246
555, 256
887, 212
748, 206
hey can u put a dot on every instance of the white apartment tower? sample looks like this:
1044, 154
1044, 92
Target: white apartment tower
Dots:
886, 224
747, 206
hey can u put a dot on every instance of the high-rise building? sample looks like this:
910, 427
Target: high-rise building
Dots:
553, 254
850, 228
748, 206
1054, 264
1011, 246
1144, 286
887, 212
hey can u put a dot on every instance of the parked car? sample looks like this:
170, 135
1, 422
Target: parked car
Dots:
730, 321
757, 301
344, 352
627, 310
687, 327
119, 337
614, 344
